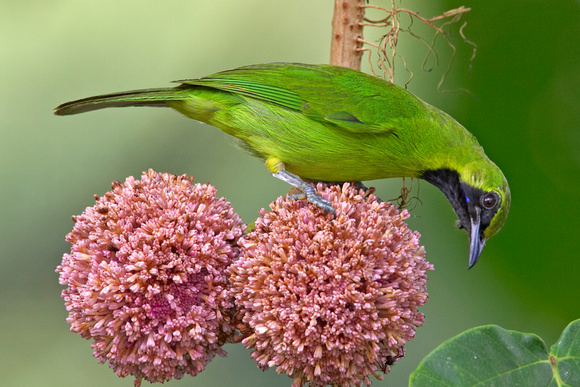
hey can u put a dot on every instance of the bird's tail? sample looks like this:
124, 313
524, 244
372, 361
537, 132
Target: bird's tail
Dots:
145, 97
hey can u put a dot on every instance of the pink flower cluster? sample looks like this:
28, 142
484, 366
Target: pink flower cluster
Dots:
161, 275
330, 300
146, 276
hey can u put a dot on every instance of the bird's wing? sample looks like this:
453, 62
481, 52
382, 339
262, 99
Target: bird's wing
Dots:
349, 99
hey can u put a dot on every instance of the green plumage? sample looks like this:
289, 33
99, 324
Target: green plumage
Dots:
328, 123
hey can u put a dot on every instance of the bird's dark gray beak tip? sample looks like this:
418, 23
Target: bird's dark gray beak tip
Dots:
474, 256
476, 242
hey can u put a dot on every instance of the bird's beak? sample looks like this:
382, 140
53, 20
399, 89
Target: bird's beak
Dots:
475, 242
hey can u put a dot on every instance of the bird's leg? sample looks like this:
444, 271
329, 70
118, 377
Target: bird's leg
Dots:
276, 167
309, 193
360, 185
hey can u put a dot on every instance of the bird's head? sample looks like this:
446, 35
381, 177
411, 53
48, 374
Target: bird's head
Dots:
481, 198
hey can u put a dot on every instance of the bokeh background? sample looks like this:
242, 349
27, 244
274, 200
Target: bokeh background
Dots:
526, 114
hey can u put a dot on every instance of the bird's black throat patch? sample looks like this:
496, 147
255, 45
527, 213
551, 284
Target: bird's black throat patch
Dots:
447, 180
463, 197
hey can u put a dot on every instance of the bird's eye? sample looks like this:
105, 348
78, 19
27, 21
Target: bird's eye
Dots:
489, 200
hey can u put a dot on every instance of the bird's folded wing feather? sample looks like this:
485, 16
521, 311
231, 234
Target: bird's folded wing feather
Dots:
328, 94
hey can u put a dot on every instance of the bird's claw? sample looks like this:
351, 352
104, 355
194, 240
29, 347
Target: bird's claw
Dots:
308, 191
311, 196
359, 185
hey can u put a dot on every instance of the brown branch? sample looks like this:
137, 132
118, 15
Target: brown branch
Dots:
347, 32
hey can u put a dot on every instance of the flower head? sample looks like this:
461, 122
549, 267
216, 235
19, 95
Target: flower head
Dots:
146, 276
330, 300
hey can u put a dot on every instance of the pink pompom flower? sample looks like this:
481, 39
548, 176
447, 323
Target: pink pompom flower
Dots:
146, 276
330, 300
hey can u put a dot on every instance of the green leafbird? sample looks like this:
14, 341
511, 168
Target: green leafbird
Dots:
334, 124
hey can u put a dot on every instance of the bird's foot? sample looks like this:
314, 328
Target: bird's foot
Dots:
368, 191
308, 191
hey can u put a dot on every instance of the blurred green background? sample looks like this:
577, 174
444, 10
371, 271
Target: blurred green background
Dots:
526, 115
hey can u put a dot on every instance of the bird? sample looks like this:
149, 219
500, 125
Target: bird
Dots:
330, 123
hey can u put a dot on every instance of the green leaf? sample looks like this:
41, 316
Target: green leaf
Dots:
492, 356
565, 356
